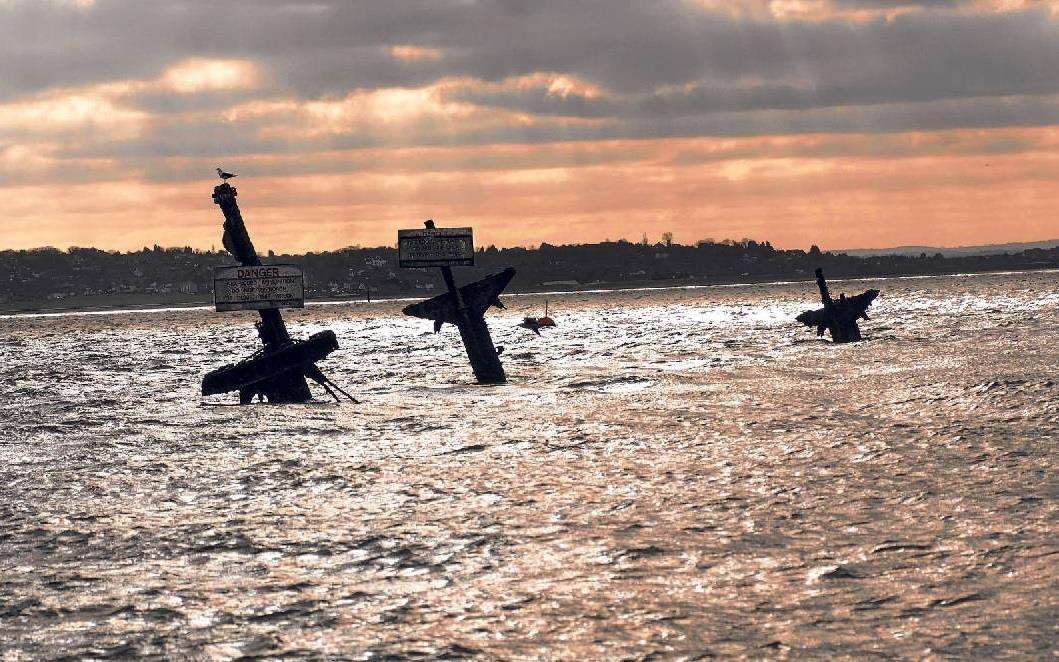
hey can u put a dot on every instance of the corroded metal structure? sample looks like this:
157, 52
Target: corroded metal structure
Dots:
465, 307
839, 317
276, 372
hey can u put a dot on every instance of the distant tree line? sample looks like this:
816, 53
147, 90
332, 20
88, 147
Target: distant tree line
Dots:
49, 276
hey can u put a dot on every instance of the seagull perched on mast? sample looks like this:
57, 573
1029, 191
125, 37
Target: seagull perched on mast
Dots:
225, 176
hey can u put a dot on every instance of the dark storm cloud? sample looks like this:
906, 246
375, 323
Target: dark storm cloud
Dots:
159, 102
665, 67
913, 58
212, 139
47, 44
630, 47
889, 4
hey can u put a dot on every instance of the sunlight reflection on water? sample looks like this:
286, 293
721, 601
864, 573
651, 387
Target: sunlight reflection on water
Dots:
669, 471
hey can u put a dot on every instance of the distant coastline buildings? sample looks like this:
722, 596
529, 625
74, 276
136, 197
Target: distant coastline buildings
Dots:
49, 277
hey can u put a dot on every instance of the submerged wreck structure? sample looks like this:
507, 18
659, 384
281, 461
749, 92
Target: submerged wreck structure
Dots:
535, 324
463, 307
276, 372
838, 317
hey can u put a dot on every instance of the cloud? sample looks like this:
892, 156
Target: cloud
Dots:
788, 198
66, 113
634, 47
542, 96
412, 53
884, 4
203, 75
651, 59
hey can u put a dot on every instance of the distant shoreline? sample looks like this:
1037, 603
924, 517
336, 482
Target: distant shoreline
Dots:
141, 304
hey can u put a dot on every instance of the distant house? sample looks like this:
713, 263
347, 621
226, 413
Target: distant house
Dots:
188, 287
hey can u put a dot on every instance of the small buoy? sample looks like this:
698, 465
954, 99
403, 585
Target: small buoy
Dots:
535, 324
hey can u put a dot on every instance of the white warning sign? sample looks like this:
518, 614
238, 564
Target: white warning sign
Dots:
259, 288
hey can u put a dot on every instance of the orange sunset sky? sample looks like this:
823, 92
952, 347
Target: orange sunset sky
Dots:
845, 123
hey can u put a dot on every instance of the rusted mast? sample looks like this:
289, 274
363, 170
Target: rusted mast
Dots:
290, 386
841, 317
485, 362
474, 333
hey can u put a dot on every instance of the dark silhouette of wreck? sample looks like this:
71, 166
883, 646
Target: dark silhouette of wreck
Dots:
464, 307
838, 317
277, 372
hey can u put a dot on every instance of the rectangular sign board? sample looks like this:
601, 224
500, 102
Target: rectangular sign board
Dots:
259, 288
436, 247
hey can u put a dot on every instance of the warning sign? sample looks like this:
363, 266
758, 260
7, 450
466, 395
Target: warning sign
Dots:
259, 288
436, 247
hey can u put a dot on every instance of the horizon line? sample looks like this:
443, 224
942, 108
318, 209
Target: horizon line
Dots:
213, 248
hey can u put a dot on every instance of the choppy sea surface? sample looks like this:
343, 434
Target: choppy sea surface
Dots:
669, 473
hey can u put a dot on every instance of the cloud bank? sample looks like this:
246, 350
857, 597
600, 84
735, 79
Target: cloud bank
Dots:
109, 94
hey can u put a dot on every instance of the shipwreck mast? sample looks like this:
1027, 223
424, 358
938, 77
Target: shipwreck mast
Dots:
291, 386
278, 371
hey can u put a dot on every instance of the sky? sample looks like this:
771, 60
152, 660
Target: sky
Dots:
842, 123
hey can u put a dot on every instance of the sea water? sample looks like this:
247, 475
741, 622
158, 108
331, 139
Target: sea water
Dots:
671, 472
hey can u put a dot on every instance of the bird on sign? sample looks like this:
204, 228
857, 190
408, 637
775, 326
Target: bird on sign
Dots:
225, 176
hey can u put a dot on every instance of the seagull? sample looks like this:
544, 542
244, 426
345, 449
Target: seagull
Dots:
225, 176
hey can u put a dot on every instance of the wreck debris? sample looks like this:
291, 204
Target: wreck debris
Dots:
838, 317
535, 324
462, 306
276, 372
